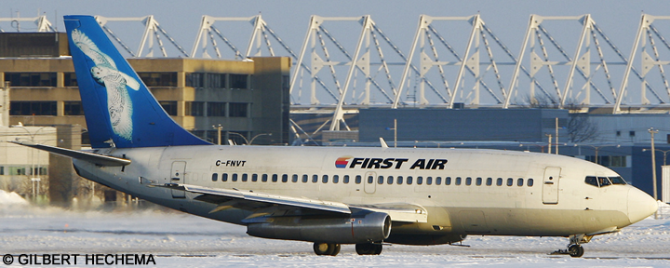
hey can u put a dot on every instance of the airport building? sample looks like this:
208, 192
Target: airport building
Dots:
248, 100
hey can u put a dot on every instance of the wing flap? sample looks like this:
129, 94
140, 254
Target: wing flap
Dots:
97, 159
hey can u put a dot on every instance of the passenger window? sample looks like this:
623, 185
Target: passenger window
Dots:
274, 177
345, 179
324, 179
399, 179
519, 182
254, 177
489, 181
499, 182
419, 180
438, 180
409, 180
604, 181
224, 177
510, 182
458, 181
447, 181
215, 176
371, 179
389, 180
294, 178
234, 177
315, 178
336, 178
429, 180
284, 178
479, 181
264, 178
358, 179
468, 181
618, 180
530, 182
244, 177
380, 180
305, 178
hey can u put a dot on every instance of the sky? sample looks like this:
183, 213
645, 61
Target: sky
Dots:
398, 19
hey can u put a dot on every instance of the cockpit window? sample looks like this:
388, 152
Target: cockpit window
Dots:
604, 181
618, 180
591, 180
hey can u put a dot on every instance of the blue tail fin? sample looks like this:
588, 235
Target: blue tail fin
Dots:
118, 106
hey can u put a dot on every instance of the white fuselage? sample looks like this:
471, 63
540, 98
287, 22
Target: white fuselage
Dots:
558, 203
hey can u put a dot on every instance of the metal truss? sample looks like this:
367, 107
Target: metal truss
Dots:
368, 46
650, 59
470, 61
538, 41
152, 33
43, 24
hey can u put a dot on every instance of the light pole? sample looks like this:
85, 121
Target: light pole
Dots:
218, 131
597, 148
665, 154
34, 180
248, 142
652, 131
395, 133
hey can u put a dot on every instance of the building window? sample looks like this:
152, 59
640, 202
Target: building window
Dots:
239, 81
31, 79
159, 79
216, 109
70, 80
32, 108
608, 160
195, 80
194, 108
215, 80
237, 109
73, 108
170, 107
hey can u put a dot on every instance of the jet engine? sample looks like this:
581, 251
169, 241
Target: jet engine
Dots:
355, 229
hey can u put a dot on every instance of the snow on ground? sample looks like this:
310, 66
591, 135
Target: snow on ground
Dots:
179, 240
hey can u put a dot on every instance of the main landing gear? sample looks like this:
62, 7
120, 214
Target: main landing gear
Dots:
326, 249
369, 249
575, 248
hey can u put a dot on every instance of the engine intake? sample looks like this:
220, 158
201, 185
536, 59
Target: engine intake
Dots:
370, 227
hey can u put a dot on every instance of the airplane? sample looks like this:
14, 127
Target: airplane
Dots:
331, 196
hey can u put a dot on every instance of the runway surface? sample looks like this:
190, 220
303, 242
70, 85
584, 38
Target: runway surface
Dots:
176, 240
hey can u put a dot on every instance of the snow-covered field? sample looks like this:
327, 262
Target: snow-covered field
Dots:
178, 240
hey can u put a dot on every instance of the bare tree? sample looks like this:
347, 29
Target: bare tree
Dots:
581, 129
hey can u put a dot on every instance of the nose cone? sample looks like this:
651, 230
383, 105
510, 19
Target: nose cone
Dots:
640, 205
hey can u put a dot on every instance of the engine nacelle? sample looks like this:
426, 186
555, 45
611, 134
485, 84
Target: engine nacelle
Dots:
370, 227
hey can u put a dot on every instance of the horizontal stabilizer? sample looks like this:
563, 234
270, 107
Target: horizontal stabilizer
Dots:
102, 160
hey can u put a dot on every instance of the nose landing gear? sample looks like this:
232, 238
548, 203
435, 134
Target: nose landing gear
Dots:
575, 249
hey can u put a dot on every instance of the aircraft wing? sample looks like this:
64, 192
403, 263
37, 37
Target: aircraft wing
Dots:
227, 198
264, 204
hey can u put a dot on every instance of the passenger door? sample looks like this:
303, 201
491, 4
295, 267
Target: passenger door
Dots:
551, 178
370, 182
177, 176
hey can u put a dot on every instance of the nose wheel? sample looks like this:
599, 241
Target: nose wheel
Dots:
575, 251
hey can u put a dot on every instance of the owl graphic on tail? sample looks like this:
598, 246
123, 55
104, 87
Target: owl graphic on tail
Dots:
119, 104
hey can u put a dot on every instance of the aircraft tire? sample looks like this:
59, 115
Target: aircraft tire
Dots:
576, 251
336, 249
368, 249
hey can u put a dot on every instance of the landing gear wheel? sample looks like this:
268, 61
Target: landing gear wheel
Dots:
576, 251
368, 249
326, 249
